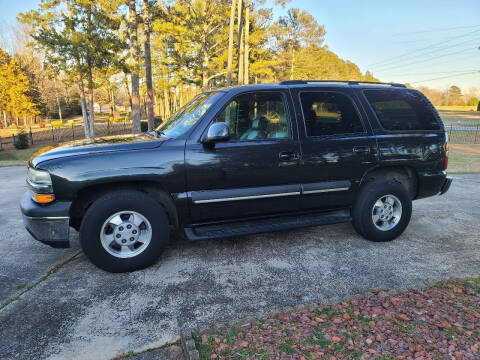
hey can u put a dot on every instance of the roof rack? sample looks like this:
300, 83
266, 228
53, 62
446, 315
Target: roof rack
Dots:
299, 82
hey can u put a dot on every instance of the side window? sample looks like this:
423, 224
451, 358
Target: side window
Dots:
402, 110
328, 113
256, 116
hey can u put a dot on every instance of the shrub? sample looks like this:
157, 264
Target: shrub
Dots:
56, 124
115, 119
21, 140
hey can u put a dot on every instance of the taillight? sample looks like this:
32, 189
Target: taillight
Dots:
445, 159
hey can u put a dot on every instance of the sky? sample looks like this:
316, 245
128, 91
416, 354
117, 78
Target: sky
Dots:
434, 43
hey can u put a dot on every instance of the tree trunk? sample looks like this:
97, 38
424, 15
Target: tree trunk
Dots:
84, 109
132, 22
5, 123
91, 113
148, 66
91, 118
230, 43
125, 81
247, 39
205, 72
292, 66
240, 43
159, 107
112, 104
166, 102
81, 87
58, 100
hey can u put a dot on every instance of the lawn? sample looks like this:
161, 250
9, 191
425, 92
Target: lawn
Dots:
460, 118
464, 159
12, 157
438, 322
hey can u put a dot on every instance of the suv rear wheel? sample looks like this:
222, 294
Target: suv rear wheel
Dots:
382, 210
124, 231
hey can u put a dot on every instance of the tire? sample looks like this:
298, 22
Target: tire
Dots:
101, 223
366, 209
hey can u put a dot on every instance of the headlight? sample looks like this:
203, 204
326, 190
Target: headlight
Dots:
40, 177
40, 184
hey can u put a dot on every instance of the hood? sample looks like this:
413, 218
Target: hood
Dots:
91, 146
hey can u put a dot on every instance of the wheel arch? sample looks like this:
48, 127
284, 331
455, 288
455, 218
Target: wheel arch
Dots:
406, 175
86, 196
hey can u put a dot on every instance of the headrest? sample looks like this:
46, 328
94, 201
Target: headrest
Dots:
260, 123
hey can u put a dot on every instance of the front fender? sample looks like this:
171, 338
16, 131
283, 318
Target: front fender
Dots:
163, 165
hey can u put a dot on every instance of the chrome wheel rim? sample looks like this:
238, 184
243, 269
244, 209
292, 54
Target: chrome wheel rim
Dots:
386, 212
126, 234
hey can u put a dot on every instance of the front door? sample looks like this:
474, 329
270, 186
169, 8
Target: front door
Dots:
255, 172
337, 147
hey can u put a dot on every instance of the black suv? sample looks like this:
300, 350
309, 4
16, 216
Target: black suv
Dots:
239, 161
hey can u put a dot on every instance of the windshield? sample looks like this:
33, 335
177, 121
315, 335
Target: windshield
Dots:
180, 122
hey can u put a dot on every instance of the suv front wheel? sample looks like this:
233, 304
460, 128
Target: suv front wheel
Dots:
382, 210
124, 230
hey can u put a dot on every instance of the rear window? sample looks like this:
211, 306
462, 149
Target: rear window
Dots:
403, 110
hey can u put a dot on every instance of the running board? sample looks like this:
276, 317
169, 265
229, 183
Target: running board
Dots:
256, 226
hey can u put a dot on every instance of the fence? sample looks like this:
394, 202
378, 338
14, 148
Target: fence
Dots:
456, 134
68, 133
463, 134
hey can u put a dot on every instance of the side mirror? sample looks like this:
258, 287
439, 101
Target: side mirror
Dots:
217, 132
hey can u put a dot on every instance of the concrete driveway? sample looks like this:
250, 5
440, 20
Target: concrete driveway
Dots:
82, 312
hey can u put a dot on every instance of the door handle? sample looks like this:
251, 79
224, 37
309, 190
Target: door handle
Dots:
288, 156
361, 150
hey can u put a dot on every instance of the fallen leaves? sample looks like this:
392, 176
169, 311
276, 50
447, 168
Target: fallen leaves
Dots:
403, 317
439, 322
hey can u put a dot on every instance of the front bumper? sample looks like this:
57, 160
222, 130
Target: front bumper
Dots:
49, 224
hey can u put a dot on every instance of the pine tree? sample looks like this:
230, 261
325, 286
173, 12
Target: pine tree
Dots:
134, 52
148, 64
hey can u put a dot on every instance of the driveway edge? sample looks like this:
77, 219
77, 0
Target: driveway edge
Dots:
188, 344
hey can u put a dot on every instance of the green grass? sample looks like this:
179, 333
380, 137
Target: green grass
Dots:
21, 286
11, 157
286, 347
464, 159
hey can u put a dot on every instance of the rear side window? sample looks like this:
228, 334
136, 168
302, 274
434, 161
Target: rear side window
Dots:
328, 113
403, 110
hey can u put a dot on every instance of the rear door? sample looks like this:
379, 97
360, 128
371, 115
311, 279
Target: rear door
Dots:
408, 127
337, 146
255, 172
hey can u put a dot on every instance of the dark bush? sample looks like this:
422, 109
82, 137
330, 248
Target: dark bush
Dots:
21, 141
